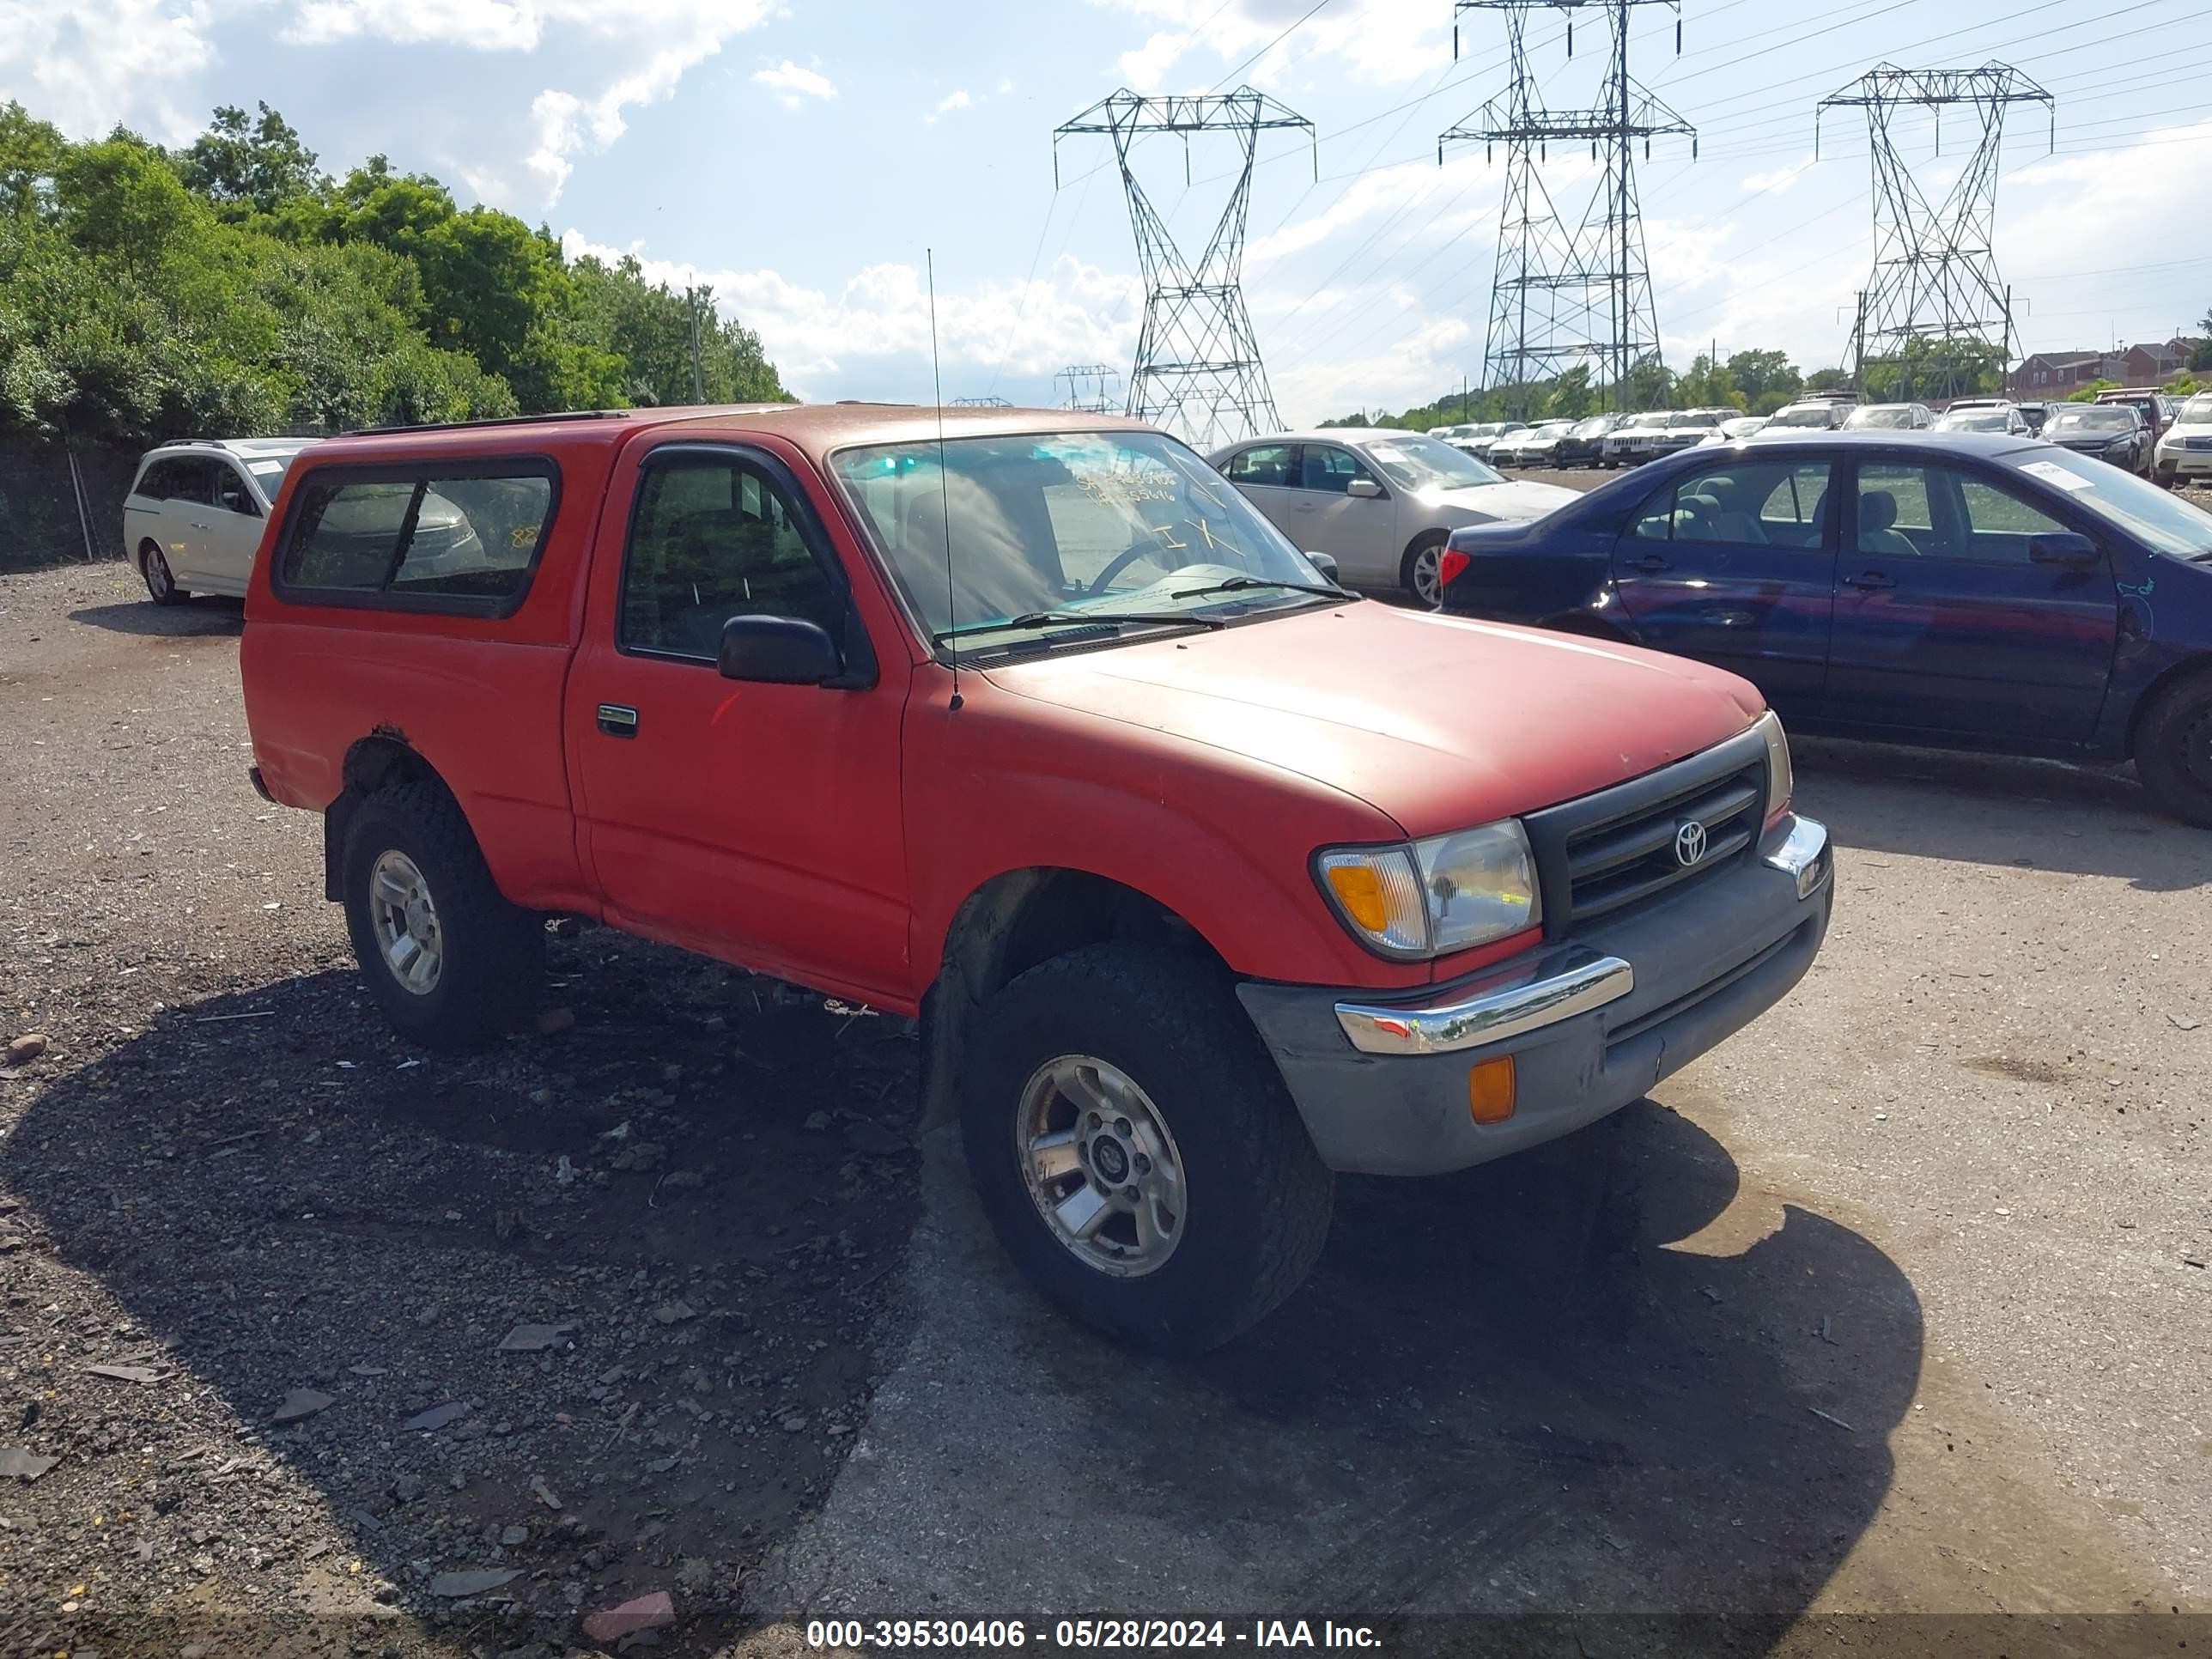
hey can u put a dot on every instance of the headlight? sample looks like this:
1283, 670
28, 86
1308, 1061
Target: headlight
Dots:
1781, 780
1431, 898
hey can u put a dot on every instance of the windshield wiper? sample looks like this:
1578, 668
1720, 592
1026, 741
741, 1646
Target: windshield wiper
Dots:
1035, 619
1238, 584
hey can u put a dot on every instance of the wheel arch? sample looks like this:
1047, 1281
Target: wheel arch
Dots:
1015, 921
2198, 666
382, 758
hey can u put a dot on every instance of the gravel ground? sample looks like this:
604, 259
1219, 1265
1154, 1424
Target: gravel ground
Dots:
591, 1316
1897, 1301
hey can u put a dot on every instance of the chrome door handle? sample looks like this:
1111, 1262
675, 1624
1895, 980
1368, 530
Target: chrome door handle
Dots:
617, 720
199, 523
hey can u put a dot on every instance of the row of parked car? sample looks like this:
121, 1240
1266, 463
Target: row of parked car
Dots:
2147, 431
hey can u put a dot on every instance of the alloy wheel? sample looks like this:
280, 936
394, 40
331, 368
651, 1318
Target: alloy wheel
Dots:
1101, 1166
405, 921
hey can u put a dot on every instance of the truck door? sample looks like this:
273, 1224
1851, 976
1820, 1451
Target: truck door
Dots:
760, 823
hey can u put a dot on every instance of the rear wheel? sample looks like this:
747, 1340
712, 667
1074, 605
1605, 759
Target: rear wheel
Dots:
161, 586
2173, 749
1419, 573
452, 963
1135, 1151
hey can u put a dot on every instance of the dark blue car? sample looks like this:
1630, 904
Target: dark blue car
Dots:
1968, 590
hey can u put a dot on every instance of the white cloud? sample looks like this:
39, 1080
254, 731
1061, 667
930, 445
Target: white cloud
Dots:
1147, 66
957, 99
1777, 182
793, 85
1378, 41
85, 65
645, 64
846, 341
1006, 86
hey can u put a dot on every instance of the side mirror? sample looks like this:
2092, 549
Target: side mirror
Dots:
1326, 563
2062, 547
1365, 489
778, 651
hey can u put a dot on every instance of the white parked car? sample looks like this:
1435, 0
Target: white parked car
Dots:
196, 511
1889, 417
2184, 449
1735, 431
1379, 503
1801, 420
1538, 446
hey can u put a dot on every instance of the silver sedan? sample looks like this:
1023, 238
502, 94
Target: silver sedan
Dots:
1381, 502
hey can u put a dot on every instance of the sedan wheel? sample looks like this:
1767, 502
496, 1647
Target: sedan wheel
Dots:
1420, 576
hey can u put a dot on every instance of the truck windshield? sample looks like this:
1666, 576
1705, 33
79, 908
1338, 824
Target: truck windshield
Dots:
1043, 526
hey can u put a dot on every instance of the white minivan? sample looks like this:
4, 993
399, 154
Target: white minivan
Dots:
196, 511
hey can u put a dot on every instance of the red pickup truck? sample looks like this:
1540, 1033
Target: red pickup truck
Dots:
1205, 879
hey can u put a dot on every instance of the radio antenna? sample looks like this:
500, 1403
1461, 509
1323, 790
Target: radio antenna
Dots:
944, 486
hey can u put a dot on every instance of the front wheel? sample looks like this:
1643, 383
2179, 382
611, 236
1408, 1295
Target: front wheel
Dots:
452, 964
1419, 572
2173, 751
1134, 1146
161, 586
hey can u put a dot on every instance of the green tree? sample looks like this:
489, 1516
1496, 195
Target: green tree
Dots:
1828, 379
1708, 385
30, 152
258, 165
1767, 379
1571, 395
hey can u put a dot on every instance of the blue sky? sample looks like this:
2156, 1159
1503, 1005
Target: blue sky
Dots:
802, 156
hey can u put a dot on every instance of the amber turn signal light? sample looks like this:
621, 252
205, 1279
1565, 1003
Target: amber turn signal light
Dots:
1490, 1089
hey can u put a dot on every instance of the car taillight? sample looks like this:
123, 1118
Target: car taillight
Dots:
1450, 566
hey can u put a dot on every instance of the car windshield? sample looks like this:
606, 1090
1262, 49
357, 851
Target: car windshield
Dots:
1975, 420
2198, 411
268, 471
1807, 415
1417, 463
1044, 525
1597, 427
1554, 429
1879, 416
2168, 523
2106, 417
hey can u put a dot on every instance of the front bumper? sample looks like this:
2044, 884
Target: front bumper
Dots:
1592, 1023
2184, 463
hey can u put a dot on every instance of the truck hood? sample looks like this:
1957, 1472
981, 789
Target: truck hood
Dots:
1440, 722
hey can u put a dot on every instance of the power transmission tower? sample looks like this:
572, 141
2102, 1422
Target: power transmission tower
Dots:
981, 402
1090, 386
1569, 293
1197, 369
1934, 305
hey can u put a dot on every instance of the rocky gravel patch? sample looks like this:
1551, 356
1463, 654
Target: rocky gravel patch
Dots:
312, 1342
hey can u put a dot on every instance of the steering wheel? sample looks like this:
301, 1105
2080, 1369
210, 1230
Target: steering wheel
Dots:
1121, 561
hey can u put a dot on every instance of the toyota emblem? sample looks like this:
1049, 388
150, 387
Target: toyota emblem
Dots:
1689, 843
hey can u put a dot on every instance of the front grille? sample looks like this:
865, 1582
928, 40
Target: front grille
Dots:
2197, 443
1612, 852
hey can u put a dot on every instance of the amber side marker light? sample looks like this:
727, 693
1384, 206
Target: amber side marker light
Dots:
1490, 1089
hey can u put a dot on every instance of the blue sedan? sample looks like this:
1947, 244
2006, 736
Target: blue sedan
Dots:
1966, 590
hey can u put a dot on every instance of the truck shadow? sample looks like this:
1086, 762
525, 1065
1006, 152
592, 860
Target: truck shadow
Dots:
1503, 1392
265, 1193
1985, 809
202, 614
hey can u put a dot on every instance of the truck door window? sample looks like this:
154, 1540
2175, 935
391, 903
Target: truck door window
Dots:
714, 537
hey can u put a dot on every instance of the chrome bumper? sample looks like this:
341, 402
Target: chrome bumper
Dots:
1558, 985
